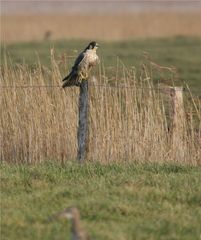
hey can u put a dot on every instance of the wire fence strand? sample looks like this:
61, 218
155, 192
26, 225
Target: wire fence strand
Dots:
3, 87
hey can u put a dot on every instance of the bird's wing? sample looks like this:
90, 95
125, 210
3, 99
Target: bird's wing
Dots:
78, 60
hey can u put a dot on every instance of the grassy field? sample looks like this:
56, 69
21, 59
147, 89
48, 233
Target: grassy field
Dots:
181, 53
116, 201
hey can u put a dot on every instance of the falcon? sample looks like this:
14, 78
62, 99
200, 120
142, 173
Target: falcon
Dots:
82, 66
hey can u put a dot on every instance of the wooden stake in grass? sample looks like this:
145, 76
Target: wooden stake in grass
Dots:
178, 108
178, 120
83, 121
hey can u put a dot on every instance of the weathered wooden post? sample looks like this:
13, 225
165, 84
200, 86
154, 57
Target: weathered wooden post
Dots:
178, 109
178, 120
82, 133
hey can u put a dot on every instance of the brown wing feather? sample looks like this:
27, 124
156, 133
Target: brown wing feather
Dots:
72, 79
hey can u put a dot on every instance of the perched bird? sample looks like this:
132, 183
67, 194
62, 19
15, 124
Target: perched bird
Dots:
72, 213
82, 66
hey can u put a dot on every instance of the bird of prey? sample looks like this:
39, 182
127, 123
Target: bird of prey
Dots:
82, 66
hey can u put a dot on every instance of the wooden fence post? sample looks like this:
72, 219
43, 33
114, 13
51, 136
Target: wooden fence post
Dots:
178, 118
82, 134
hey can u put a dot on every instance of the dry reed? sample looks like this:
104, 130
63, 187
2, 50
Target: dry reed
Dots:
125, 123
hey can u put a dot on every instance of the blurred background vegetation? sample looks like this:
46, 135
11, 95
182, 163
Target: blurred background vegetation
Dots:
180, 53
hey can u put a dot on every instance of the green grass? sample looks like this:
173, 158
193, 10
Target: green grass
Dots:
182, 52
116, 201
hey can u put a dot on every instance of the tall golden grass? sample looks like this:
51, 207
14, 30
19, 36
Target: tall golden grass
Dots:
105, 27
125, 123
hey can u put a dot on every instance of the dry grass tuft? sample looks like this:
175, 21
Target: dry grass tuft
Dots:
126, 124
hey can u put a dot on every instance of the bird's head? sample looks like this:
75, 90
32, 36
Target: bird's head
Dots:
92, 45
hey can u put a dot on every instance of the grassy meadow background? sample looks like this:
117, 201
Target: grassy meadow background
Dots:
180, 53
137, 183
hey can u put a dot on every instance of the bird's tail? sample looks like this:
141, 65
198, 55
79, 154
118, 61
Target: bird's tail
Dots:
71, 80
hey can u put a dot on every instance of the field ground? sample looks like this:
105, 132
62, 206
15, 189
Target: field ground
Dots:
116, 201
183, 53
28, 27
